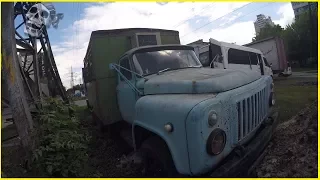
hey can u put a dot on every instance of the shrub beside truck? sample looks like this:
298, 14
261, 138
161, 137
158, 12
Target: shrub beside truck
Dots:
181, 119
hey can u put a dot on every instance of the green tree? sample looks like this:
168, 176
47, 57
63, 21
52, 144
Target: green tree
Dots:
269, 31
301, 38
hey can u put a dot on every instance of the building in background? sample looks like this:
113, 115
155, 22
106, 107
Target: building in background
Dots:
261, 22
301, 7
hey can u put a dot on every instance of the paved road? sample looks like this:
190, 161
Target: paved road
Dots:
306, 74
80, 103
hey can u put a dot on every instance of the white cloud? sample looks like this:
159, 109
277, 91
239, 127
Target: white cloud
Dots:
174, 16
239, 33
287, 15
129, 15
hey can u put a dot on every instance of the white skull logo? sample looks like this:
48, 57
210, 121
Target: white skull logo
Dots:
37, 17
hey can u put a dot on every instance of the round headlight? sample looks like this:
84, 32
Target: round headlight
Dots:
212, 118
216, 142
272, 100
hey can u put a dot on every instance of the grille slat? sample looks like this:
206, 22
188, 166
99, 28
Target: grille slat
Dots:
254, 110
263, 106
240, 119
251, 112
247, 117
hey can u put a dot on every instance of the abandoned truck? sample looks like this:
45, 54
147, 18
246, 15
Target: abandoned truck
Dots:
183, 119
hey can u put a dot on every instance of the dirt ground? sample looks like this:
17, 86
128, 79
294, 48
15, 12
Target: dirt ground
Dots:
293, 152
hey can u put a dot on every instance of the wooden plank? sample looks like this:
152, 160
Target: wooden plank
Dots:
11, 71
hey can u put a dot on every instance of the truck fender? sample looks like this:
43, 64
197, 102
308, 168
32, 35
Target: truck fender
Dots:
141, 132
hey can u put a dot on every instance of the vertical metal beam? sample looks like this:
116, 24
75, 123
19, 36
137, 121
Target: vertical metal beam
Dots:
53, 66
36, 72
25, 61
17, 98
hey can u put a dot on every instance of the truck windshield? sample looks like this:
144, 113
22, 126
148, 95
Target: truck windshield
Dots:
147, 63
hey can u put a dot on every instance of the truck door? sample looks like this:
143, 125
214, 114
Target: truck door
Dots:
255, 63
267, 67
125, 94
215, 53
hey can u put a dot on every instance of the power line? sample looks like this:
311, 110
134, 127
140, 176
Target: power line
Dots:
216, 19
181, 22
268, 4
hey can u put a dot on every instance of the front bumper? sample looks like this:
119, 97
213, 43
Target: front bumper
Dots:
240, 160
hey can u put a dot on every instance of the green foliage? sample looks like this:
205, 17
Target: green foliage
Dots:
62, 149
269, 31
300, 37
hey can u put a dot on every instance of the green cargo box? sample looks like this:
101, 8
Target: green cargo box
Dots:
105, 47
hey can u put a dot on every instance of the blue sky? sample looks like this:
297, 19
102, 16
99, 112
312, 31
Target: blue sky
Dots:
229, 22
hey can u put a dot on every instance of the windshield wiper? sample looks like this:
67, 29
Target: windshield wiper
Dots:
163, 70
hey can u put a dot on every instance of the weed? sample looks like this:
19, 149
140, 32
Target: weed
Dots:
62, 149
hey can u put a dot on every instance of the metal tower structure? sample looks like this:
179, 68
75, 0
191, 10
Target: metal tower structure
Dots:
36, 62
26, 69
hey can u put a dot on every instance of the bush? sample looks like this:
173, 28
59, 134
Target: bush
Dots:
62, 148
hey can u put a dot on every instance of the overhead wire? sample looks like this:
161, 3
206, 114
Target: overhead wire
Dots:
216, 20
268, 4
194, 14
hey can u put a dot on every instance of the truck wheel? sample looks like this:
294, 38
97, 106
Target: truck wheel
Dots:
156, 159
96, 121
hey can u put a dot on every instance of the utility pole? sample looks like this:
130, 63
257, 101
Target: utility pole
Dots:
17, 97
72, 79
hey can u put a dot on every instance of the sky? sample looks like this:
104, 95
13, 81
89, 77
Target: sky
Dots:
229, 22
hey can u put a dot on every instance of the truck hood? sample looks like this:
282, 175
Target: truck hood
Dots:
196, 81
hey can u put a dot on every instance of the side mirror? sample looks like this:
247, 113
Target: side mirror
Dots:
111, 66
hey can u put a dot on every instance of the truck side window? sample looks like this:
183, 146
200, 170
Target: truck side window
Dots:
215, 50
236, 56
253, 58
204, 58
125, 63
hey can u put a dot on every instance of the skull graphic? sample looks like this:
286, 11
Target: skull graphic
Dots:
54, 16
38, 16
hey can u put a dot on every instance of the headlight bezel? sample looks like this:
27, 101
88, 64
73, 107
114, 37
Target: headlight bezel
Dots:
212, 118
272, 100
216, 132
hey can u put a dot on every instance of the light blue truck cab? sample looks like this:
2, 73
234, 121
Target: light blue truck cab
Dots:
190, 120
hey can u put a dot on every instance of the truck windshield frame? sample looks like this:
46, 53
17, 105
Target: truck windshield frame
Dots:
151, 62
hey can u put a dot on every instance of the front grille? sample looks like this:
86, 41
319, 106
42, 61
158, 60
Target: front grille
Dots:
251, 112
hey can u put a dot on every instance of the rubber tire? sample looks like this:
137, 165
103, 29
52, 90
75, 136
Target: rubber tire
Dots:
154, 147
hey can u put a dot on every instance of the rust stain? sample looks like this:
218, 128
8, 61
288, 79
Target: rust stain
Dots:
9, 67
